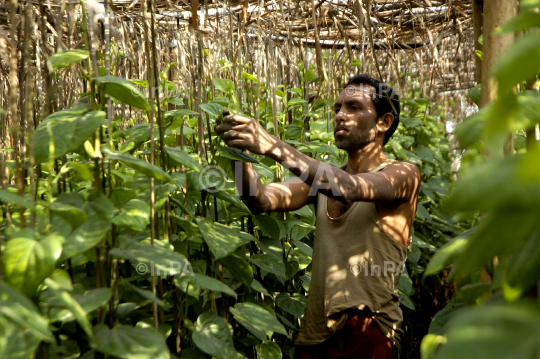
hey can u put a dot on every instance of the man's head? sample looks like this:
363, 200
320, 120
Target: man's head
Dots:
366, 111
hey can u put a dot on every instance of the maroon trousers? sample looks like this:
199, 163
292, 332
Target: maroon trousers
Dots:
360, 338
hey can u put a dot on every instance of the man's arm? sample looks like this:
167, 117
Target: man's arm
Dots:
282, 196
398, 181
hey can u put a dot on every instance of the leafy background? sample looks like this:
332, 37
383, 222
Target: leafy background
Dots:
94, 217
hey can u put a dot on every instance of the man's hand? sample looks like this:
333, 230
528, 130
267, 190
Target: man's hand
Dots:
246, 134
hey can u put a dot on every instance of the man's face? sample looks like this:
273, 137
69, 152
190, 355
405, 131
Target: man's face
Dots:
355, 118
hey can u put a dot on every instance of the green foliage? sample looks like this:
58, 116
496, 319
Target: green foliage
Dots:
97, 265
487, 319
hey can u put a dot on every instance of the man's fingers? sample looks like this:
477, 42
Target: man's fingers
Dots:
224, 127
236, 119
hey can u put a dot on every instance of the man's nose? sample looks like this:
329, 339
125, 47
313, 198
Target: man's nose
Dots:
340, 116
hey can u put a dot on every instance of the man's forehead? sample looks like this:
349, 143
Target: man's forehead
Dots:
361, 90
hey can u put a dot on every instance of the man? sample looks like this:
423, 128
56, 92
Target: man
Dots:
365, 211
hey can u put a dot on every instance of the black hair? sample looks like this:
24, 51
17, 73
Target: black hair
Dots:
381, 99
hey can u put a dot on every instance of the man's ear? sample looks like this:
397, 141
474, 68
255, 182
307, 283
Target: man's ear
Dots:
385, 122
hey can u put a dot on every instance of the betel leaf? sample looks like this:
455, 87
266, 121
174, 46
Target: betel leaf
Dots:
27, 261
212, 108
15, 199
224, 85
99, 211
66, 300
268, 225
201, 280
475, 94
446, 255
16, 343
124, 91
222, 240
71, 214
180, 113
494, 331
134, 215
239, 268
69, 133
147, 294
516, 65
294, 304
16, 308
257, 320
165, 260
232, 199
236, 154
142, 166
268, 350
176, 101
247, 76
213, 335
269, 263
66, 58
128, 342
183, 158
405, 300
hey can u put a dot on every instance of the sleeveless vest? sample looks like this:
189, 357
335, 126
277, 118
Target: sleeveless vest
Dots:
356, 265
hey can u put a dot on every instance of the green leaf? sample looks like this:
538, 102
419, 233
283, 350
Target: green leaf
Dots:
405, 300
247, 76
190, 227
71, 214
68, 302
517, 63
129, 342
257, 320
144, 293
268, 225
69, 133
212, 108
176, 101
523, 21
16, 343
239, 268
475, 94
120, 196
99, 211
27, 262
446, 255
429, 345
165, 260
142, 166
269, 263
183, 158
180, 113
495, 331
222, 240
66, 58
232, 199
134, 215
236, 154
124, 91
498, 234
295, 101
523, 267
268, 350
15, 199
224, 85
294, 304
470, 130
213, 335
201, 280
19, 310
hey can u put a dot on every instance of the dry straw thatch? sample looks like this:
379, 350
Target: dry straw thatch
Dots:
423, 46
